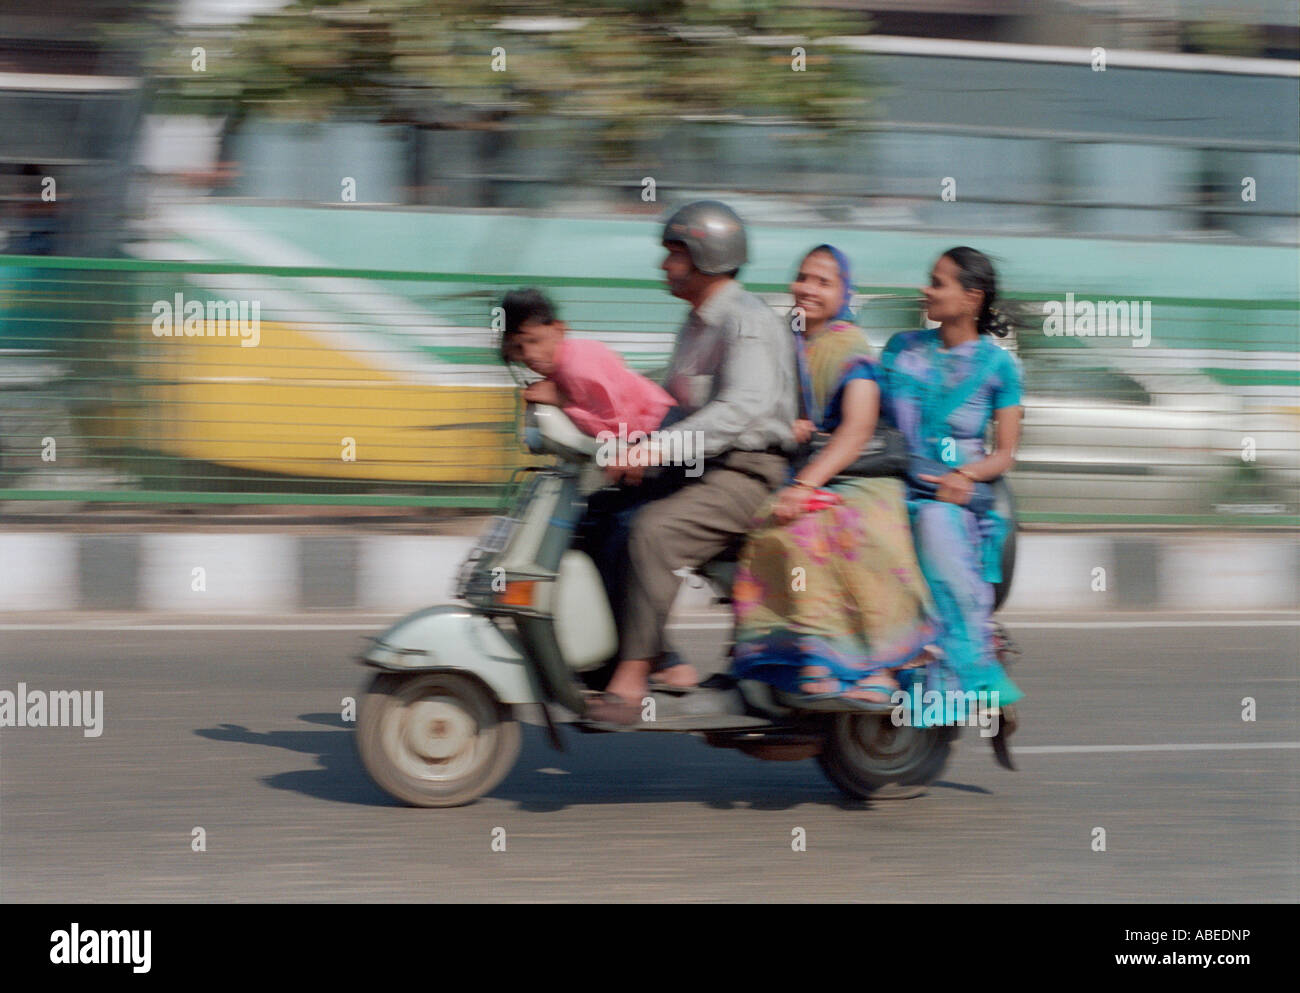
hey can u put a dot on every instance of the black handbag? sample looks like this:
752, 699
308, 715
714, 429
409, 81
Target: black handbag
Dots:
884, 454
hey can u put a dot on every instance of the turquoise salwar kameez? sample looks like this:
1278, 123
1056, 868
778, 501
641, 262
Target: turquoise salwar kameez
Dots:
943, 400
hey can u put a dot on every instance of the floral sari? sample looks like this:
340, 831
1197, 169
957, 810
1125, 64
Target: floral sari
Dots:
839, 589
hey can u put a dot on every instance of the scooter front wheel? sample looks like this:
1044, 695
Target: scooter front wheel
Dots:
869, 758
435, 739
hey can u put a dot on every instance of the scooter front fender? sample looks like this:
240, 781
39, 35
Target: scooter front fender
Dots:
450, 637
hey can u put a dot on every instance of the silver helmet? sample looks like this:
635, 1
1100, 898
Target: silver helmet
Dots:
713, 234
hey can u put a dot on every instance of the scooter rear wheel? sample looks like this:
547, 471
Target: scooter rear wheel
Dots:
435, 739
869, 758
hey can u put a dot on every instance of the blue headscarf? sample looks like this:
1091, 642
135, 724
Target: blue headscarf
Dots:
845, 313
807, 406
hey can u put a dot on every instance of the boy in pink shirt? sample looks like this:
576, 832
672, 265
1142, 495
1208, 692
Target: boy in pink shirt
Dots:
586, 379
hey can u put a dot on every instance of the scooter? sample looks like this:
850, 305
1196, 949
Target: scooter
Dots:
439, 726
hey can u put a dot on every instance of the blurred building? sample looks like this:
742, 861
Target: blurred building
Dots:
1119, 183
70, 106
1268, 28
1157, 145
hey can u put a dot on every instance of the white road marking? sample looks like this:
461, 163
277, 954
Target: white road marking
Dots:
1079, 625
1023, 749
1083, 625
1069, 749
721, 622
114, 626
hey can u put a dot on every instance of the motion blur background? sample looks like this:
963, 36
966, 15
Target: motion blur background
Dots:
372, 176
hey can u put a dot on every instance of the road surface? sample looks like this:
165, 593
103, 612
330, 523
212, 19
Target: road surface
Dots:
1132, 724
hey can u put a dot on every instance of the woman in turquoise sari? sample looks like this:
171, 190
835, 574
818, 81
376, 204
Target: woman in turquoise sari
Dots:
942, 388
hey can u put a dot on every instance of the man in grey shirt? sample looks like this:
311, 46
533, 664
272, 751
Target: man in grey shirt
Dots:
733, 373
734, 378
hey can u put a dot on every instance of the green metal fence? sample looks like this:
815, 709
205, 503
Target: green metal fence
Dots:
136, 381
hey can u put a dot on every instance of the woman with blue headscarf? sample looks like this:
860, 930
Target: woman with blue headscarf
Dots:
828, 597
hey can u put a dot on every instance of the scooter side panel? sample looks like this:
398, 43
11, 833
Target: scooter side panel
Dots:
584, 624
452, 637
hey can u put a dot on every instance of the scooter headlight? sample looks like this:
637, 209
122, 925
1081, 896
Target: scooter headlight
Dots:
517, 593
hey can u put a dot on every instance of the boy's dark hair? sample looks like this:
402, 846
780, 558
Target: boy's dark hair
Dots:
525, 307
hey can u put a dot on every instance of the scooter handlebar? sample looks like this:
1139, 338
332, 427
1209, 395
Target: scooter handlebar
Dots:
549, 431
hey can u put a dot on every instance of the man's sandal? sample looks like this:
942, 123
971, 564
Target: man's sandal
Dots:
660, 686
610, 708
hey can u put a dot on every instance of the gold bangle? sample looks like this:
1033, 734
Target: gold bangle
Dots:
799, 482
962, 472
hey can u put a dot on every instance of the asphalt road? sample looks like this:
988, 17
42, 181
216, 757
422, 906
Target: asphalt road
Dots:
238, 731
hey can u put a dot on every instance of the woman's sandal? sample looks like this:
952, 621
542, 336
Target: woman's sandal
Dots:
921, 659
837, 702
1008, 721
886, 690
883, 688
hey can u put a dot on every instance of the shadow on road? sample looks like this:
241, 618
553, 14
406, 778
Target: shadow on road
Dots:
339, 776
593, 769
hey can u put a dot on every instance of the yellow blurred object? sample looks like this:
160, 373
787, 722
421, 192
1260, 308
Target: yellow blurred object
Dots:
295, 407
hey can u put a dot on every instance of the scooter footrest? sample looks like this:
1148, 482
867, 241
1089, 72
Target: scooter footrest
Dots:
703, 722
699, 701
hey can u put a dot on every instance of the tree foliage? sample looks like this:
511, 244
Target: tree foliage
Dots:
633, 67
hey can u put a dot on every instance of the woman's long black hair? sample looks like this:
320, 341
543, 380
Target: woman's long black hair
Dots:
976, 272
